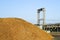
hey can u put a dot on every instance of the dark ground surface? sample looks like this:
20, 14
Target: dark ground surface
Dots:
56, 35
58, 38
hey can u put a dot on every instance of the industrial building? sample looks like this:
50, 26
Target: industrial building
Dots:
47, 27
52, 27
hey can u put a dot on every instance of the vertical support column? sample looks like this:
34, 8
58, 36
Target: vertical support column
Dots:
38, 18
43, 16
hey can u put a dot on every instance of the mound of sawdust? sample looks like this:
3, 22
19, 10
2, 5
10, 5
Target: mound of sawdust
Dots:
18, 29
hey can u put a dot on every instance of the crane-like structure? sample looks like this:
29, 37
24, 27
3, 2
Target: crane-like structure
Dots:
38, 16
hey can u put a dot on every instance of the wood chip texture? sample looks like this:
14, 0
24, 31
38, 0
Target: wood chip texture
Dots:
19, 29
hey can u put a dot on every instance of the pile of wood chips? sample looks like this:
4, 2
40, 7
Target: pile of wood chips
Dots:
19, 29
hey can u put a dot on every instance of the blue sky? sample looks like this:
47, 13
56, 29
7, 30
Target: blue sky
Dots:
27, 9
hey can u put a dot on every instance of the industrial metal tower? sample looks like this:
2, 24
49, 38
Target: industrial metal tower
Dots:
38, 16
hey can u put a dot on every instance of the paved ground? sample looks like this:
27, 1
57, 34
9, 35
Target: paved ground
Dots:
56, 35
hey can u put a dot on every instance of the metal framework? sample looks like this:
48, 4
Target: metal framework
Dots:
38, 16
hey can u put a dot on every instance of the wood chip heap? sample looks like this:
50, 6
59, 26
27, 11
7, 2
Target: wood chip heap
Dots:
18, 29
